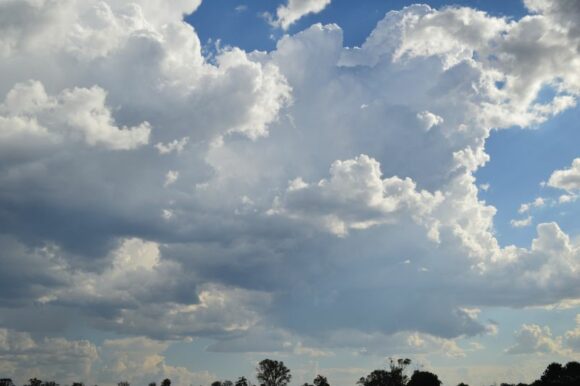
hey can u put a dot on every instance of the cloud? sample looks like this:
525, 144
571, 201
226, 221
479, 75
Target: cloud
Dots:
535, 339
137, 360
429, 119
23, 357
567, 179
537, 203
355, 197
532, 338
296, 9
149, 190
572, 337
140, 360
30, 115
565, 12
525, 222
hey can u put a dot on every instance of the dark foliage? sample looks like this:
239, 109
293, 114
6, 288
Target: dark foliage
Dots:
242, 381
424, 378
273, 373
321, 381
395, 376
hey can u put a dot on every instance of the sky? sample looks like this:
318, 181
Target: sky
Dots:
189, 187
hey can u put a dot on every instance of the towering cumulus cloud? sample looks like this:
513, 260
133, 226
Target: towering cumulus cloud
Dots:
311, 198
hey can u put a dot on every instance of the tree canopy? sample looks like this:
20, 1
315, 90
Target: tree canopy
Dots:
273, 373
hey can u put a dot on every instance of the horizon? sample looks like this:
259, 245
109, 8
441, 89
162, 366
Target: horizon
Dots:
189, 187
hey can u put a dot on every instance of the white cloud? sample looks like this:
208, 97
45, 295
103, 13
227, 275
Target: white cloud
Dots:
23, 357
137, 360
572, 337
429, 119
532, 338
29, 114
171, 177
173, 146
140, 360
355, 197
296, 9
567, 179
565, 198
537, 203
525, 222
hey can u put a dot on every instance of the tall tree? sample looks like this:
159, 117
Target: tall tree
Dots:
321, 381
166, 382
273, 373
552, 374
395, 376
424, 378
242, 381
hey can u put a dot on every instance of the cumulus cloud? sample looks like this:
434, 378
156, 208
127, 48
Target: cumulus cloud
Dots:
28, 114
355, 197
572, 337
150, 192
140, 360
535, 339
24, 357
567, 179
532, 338
137, 360
296, 9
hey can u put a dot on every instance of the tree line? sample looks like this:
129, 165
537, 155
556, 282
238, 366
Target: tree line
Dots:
274, 373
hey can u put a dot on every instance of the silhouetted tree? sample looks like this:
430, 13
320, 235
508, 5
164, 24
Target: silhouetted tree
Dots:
166, 382
273, 373
222, 383
321, 381
34, 382
123, 383
49, 383
242, 381
556, 375
395, 376
78, 384
376, 378
152, 384
424, 378
463, 384
552, 374
6, 382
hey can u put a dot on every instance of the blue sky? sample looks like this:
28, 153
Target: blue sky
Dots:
190, 187
357, 19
